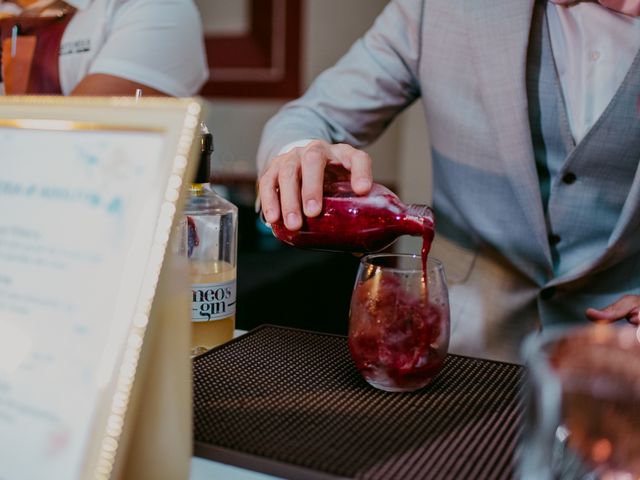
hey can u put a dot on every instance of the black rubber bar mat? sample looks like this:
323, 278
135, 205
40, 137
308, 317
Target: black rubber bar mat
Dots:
290, 403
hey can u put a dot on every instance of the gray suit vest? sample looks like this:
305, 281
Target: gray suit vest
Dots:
583, 186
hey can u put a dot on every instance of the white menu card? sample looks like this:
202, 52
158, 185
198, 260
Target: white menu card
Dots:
88, 194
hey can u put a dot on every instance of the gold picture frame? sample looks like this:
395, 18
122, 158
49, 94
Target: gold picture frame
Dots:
95, 380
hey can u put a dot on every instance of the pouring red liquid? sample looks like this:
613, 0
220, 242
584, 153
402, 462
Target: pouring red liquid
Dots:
358, 223
399, 331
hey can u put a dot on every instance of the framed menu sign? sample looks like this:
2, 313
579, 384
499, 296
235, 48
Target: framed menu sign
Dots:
94, 330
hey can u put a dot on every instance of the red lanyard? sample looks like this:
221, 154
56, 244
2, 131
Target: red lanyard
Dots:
30, 59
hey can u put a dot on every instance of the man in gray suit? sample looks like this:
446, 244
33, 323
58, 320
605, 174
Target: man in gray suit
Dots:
534, 123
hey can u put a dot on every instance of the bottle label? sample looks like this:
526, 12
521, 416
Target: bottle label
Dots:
213, 301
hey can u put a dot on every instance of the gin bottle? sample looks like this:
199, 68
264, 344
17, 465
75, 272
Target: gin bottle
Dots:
209, 239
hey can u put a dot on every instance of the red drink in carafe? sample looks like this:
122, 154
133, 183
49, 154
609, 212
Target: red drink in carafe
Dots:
358, 223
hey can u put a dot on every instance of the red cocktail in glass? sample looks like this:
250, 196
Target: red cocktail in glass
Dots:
399, 321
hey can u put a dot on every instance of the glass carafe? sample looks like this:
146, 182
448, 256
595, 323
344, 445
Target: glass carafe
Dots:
358, 223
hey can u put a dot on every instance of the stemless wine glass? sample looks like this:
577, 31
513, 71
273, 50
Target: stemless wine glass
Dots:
399, 321
583, 415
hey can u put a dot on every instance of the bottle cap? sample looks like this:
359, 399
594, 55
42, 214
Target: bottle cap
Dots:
206, 149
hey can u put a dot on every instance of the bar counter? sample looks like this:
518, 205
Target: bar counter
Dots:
289, 403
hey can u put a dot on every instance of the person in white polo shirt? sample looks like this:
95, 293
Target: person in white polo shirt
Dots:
104, 47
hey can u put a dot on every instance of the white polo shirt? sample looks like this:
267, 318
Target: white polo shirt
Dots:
158, 43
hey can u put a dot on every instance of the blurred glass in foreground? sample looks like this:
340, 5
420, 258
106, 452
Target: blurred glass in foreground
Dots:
583, 410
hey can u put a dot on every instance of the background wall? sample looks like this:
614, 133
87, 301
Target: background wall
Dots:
329, 28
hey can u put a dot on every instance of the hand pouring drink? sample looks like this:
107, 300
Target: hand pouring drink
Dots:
399, 319
358, 223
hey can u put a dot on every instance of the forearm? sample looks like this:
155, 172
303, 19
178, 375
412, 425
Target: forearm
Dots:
109, 85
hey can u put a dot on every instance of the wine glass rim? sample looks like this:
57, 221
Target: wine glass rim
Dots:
535, 343
535, 348
432, 262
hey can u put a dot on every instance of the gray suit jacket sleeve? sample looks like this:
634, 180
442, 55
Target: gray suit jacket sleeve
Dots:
355, 100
